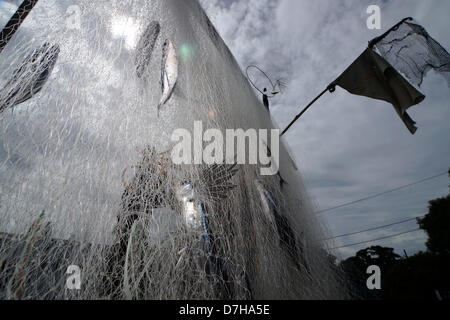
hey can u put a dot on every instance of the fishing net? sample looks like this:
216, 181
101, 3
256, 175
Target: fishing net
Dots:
88, 181
411, 50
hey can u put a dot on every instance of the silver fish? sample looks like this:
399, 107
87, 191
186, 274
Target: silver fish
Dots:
30, 77
279, 223
213, 186
216, 185
269, 206
169, 72
145, 47
193, 210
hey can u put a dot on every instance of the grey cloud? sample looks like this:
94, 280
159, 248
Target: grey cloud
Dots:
347, 147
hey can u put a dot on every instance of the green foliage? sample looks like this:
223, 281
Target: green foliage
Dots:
437, 225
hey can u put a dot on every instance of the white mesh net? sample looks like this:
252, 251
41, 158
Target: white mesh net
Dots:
86, 179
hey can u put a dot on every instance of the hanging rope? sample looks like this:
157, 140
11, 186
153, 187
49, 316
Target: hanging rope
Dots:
265, 75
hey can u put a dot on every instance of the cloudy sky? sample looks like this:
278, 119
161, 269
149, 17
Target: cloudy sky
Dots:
347, 147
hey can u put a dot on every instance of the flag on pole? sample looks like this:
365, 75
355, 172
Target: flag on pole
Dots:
372, 76
411, 50
406, 47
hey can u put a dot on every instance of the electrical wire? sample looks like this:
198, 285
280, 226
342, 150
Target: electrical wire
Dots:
382, 193
374, 228
382, 238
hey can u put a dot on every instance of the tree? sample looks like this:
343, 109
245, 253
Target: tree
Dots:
437, 225
356, 269
418, 277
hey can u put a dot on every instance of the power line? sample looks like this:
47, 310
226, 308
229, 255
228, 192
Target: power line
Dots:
395, 235
375, 228
382, 193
